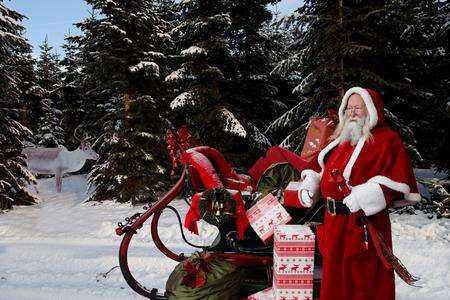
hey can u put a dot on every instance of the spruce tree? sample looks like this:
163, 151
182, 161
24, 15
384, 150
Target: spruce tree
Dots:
72, 97
424, 39
123, 58
225, 89
133, 170
48, 71
30, 92
438, 147
13, 172
49, 132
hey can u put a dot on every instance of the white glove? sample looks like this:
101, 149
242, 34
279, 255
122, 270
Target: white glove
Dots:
352, 203
305, 197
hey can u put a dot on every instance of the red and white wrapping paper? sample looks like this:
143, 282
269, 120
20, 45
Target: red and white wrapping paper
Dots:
293, 258
266, 294
292, 197
265, 215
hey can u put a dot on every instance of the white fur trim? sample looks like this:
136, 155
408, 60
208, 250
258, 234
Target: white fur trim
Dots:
304, 198
410, 198
311, 182
321, 157
371, 109
370, 197
351, 203
353, 158
351, 162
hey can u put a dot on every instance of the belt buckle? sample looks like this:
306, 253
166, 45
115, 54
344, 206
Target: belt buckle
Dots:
331, 206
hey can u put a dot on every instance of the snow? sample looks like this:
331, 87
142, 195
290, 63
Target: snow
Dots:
15, 37
9, 21
164, 36
120, 178
154, 54
193, 50
63, 248
181, 100
259, 77
145, 65
176, 75
113, 27
232, 124
146, 135
423, 246
260, 139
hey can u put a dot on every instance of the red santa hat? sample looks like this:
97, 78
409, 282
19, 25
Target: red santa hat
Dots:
373, 102
375, 109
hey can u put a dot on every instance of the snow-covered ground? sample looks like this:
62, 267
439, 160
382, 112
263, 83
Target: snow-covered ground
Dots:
63, 248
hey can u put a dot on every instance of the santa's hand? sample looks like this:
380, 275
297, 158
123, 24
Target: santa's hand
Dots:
305, 197
351, 203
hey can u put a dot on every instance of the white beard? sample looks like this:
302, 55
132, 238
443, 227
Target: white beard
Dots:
352, 131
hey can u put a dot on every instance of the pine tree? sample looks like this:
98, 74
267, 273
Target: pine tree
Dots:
48, 71
123, 60
72, 98
13, 173
132, 171
425, 60
30, 92
49, 132
225, 89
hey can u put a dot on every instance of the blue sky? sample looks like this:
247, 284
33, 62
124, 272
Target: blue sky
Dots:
55, 18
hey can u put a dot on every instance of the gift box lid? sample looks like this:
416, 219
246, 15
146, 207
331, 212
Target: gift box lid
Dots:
293, 232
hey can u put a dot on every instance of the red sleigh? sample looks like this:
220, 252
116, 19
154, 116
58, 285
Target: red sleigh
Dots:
202, 169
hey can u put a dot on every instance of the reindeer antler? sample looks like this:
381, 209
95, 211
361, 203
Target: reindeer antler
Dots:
81, 135
86, 137
77, 135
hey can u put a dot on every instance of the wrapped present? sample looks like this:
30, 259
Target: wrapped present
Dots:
266, 294
293, 255
292, 197
265, 215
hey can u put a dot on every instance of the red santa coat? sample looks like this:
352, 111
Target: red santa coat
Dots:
379, 172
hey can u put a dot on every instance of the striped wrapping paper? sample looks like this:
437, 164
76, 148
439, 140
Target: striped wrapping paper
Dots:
265, 215
293, 268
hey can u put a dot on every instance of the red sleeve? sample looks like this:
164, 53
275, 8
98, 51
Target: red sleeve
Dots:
396, 178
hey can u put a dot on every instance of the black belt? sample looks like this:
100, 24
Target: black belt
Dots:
336, 207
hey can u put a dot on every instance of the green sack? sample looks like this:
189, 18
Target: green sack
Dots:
223, 281
276, 177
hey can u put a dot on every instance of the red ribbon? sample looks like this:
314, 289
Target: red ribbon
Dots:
241, 221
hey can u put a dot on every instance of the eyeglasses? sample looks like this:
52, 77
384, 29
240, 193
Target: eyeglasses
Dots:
355, 109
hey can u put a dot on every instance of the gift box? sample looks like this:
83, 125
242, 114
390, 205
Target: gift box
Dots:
291, 196
266, 294
265, 215
293, 255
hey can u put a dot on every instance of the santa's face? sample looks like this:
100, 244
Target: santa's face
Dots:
354, 120
352, 130
356, 109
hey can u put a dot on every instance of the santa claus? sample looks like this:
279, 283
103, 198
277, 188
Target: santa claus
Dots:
372, 159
